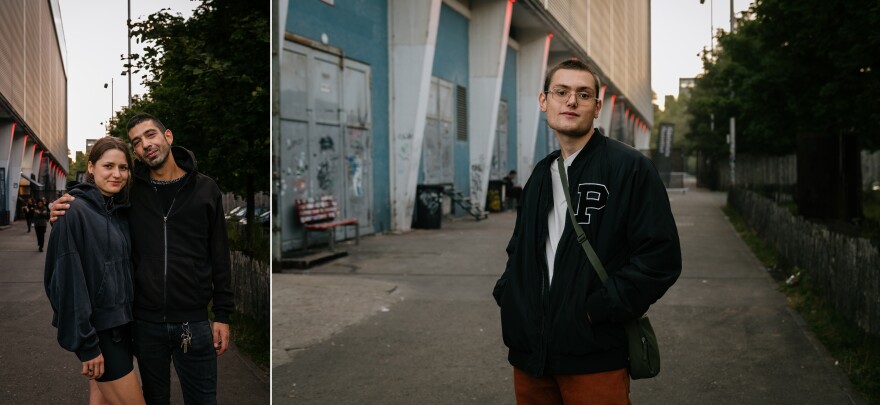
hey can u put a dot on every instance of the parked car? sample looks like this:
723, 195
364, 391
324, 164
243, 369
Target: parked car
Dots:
262, 218
236, 212
239, 213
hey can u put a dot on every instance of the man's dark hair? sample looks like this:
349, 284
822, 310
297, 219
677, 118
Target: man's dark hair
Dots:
141, 117
511, 172
571, 64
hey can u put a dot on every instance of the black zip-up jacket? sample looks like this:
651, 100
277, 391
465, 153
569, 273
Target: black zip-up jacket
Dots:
624, 210
88, 273
181, 257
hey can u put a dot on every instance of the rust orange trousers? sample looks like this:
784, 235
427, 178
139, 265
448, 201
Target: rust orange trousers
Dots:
607, 388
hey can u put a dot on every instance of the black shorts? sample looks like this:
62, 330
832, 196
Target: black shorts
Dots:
115, 344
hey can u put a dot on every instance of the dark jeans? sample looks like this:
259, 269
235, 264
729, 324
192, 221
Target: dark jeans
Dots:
156, 344
41, 235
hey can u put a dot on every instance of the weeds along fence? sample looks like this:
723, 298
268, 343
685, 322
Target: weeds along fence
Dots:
250, 284
844, 270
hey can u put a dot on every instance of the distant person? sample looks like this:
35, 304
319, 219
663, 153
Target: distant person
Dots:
88, 276
40, 215
29, 212
563, 326
181, 263
512, 191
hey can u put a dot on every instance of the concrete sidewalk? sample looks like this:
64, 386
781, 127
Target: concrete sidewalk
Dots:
409, 319
36, 370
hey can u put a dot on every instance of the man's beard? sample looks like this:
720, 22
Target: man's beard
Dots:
159, 161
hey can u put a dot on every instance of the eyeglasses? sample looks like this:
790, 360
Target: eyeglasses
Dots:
562, 95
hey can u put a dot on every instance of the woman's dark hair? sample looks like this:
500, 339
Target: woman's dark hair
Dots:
102, 146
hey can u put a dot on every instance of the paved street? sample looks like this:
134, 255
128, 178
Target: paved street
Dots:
409, 319
35, 370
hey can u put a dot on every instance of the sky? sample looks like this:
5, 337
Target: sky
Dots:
96, 36
680, 29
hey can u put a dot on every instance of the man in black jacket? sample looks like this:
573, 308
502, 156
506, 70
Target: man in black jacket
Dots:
181, 263
563, 326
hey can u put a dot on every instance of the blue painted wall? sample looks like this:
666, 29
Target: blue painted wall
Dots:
360, 29
508, 93
451, 64
542, 140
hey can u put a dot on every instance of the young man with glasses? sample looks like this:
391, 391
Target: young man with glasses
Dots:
563, 326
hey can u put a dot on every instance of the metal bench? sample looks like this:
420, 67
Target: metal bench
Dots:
320, 214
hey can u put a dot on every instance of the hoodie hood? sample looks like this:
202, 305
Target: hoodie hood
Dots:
90, 193
182, 156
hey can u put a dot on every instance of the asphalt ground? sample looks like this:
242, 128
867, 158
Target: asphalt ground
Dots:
409, 319
34, 369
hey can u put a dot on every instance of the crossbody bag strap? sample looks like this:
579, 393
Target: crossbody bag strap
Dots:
581, 237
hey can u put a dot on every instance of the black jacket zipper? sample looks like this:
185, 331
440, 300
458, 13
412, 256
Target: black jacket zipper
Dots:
165, 217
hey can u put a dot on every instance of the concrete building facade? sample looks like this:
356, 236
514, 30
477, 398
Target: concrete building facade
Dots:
33, 103
380, 96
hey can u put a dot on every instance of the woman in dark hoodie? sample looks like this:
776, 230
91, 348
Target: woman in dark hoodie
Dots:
88, 276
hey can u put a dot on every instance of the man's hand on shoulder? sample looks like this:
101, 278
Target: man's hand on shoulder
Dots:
221, 337
59, 207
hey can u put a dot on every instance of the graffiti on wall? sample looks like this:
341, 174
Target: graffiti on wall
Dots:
477, 179
325, 176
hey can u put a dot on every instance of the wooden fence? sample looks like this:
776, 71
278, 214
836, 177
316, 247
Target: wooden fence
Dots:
231, 201
250, 284
756, 171
844, 270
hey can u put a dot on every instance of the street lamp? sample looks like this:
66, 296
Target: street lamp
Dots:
111, 97
111, 103
732, 134
128, 24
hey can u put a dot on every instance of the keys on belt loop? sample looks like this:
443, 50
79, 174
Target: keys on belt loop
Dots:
185, 337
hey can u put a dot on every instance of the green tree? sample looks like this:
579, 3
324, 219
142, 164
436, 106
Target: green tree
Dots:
793, 68
208, 81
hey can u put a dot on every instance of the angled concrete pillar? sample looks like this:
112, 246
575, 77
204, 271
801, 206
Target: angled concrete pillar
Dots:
16, 154
531, 66
413, 28
27, 158
604, 121
487, 48
643, 137
37, 159
7, 133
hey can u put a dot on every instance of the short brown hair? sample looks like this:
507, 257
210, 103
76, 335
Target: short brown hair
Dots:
571, 64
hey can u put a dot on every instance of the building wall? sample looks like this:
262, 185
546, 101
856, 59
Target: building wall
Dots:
616, 35
451, 64
32, 76
360, 29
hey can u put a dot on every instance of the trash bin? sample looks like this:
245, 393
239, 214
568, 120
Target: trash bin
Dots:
429, 209
4, 218
495, 196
